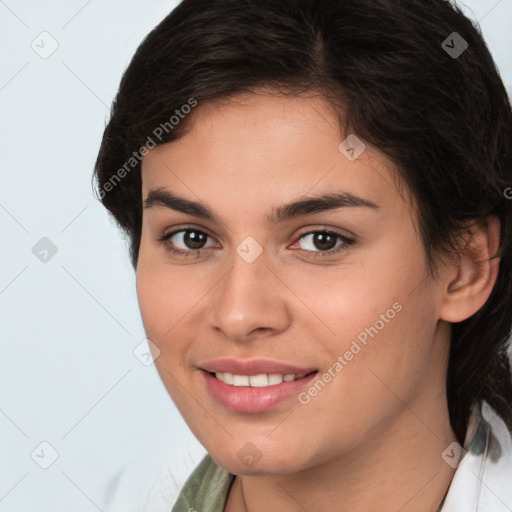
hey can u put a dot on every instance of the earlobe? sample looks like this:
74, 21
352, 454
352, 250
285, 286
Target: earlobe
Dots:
469, 283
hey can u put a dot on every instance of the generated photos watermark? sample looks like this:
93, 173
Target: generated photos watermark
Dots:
355, 347
137, 156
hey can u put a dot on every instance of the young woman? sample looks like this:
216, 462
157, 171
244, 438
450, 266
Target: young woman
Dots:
317, 195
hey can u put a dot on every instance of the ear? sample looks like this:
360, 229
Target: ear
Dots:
469, 282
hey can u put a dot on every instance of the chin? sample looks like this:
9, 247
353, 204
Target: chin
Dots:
249, 462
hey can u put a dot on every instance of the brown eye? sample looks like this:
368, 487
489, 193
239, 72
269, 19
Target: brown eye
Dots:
194, 239
185, 240
324, 242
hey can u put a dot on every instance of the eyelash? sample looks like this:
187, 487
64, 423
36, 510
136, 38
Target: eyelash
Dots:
346, 243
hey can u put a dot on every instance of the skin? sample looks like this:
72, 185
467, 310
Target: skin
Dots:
376, 432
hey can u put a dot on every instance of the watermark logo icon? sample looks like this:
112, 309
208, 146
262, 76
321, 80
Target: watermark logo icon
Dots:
44, 250
249, 249
146, 352
453, 454
454, 45
351, 147
44, 455
45, 45
249, 454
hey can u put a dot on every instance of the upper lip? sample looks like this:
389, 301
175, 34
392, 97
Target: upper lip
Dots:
253, 367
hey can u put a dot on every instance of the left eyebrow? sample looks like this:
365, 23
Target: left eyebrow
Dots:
302, 207
319, 203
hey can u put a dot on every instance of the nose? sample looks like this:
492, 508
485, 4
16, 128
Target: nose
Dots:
249, 302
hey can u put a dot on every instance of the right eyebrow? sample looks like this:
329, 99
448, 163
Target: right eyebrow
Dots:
163, 197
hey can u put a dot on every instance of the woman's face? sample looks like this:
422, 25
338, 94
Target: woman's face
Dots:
260, 281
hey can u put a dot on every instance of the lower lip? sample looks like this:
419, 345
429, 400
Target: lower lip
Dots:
253, 400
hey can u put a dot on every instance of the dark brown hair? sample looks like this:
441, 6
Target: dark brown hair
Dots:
443, 119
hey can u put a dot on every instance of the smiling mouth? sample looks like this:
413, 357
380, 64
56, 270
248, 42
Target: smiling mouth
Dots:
261, 380
258, 392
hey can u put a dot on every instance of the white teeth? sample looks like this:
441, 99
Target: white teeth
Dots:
240, 380
261, 380
275, 378
228, 378
258, 381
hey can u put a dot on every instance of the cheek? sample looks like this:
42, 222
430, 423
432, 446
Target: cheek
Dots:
170, 300
162, 305
161, 299
152, 300
381, 316
387, 354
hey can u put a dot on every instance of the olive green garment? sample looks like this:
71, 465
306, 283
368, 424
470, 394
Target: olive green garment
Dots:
206, 489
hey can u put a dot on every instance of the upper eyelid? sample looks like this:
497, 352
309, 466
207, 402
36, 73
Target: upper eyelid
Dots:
175, 231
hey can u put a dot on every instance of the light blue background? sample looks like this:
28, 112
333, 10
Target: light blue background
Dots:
68, 375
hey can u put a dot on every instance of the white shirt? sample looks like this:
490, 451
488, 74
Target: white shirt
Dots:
483, 479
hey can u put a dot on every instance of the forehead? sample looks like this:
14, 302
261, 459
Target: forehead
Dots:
267, 148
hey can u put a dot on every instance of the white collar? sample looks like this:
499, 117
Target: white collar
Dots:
482, 481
